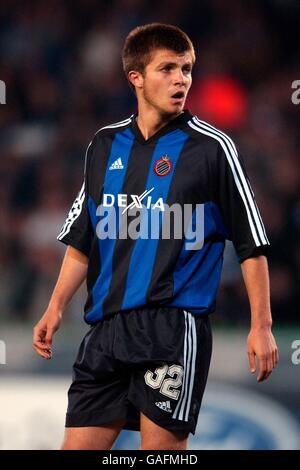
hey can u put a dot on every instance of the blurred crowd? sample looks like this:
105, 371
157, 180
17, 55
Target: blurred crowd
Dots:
61, 63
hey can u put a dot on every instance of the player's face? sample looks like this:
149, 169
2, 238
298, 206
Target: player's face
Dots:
167, 80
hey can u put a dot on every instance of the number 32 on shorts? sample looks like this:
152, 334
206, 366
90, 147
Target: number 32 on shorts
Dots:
167, 386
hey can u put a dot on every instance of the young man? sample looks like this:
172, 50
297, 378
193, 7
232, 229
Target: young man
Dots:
143, 364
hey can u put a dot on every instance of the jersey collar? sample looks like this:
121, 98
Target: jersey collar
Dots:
171, 126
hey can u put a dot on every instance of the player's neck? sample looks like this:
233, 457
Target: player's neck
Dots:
150, 122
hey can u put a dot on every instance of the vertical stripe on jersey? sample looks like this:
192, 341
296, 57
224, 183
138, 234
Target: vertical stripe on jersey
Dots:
185, 176
135, 183
196, 274
92, 211
144, 252
113, 181
189, 360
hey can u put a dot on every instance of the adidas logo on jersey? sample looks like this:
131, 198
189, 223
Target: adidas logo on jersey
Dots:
117, 165
164, 405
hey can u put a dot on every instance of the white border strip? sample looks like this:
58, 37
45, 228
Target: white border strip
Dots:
190, 351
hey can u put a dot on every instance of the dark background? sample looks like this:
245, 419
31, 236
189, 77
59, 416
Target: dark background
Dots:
62, 67
61, 63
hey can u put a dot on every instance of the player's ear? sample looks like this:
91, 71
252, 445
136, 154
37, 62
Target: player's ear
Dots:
136, 78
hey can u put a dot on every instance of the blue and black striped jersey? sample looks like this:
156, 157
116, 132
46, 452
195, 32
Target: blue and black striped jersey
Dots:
140, 206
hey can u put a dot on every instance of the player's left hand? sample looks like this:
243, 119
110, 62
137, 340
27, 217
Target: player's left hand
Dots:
261, 345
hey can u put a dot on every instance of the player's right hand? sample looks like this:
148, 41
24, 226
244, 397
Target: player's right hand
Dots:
43, 333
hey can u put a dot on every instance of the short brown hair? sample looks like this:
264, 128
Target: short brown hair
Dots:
143, 40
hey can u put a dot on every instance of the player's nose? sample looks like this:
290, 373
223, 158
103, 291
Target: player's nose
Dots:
179, 77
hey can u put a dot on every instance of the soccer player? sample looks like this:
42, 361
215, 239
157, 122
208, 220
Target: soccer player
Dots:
144, 362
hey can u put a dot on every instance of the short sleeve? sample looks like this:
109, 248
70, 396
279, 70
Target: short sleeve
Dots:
238, 205
77, 230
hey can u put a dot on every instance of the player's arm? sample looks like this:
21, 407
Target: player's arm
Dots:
77, 233
244, 226
72, 274
261, 343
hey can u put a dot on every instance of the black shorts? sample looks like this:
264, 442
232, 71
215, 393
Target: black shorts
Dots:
153, 361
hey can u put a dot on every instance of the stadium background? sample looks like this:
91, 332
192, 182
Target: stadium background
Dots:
61, 65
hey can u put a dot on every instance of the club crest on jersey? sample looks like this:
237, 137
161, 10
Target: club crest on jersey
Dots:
163, 166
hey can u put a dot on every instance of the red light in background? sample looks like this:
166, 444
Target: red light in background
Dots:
220, 100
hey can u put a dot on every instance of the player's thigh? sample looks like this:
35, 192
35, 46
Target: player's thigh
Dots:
154, 437
92, 437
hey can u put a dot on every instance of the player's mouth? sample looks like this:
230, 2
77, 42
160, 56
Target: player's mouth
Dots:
178, 97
